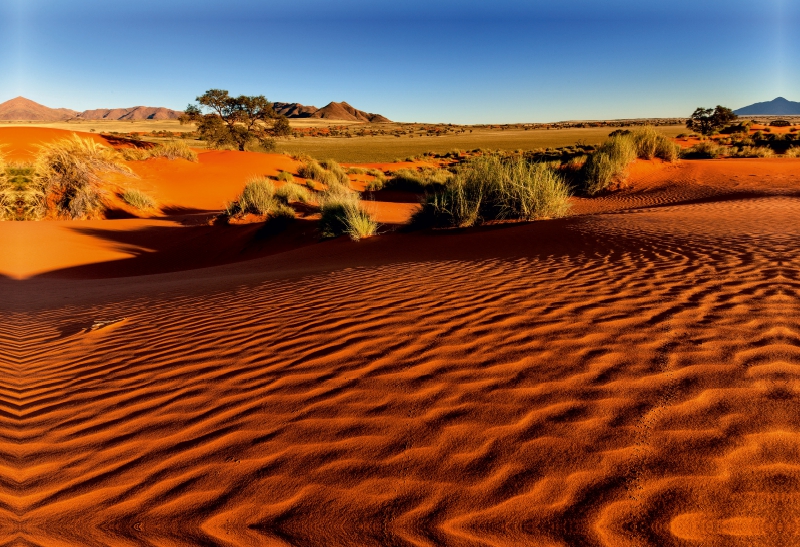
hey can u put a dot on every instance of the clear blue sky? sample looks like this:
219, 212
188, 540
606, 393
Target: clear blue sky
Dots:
457, 61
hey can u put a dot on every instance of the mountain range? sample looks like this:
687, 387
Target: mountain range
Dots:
776, 107
332, 111
22, 109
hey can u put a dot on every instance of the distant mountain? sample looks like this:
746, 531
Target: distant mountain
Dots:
775, 107
294, 110
333, 111
135, 113
24, 109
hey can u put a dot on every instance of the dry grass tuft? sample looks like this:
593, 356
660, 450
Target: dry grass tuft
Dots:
259, 197
66, 181
343, 213
138, 199
492, 187
171, 150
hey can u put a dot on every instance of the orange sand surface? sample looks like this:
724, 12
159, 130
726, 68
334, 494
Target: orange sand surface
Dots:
21, 143
628, 376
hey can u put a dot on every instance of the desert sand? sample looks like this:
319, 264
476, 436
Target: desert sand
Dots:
624, 377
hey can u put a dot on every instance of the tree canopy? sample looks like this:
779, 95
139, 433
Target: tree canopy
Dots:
225, 121
707, 120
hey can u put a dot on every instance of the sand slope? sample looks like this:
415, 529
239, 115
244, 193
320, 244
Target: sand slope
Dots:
626, 377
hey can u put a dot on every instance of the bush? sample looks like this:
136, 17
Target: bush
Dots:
310, 169
292, 192
490, 187
67, 177
608, 166
704, 150
138, 199
793, 152
135, 154
424, 180
754, 152
8, 194
170, 150
173, 150
285, 176
259, 198
652, 144
342, 213
333, 167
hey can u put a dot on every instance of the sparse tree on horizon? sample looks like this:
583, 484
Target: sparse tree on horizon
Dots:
224, 121
707, 120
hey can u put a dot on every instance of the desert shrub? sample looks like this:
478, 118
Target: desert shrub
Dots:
8, 195
652, 144
491, 187
793, 152
704, 150
424, 180
259, 198
292, 192
780, 123
608, 166
619, 133
174, 149
171, 150
135, 154
333, 167
285, 176
356, 171
342, 213
310, 169
754, 152
67, 177
138, 199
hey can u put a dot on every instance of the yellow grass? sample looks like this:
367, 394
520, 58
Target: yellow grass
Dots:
389, 148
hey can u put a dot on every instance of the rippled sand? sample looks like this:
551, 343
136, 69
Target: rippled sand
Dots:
628, 377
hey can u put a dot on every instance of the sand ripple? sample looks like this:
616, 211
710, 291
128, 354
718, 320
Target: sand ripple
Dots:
641, 390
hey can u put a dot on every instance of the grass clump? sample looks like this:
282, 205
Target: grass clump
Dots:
704, 150
491, 187
8, 194
327, 172
285, 176
793, 152
174, 149
424, 180
650, 144
291, 192
343, 213
259, 197
67, 180
754, 152
608, 166
138, 199
171, 150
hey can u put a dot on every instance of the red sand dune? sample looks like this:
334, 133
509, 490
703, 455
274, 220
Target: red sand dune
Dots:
625, 377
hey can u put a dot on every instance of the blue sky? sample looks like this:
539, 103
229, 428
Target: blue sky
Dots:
462, 61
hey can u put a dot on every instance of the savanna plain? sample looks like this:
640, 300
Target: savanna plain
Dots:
515, 336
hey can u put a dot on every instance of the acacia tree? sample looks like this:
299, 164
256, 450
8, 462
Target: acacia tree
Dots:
223, 120
707, 120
